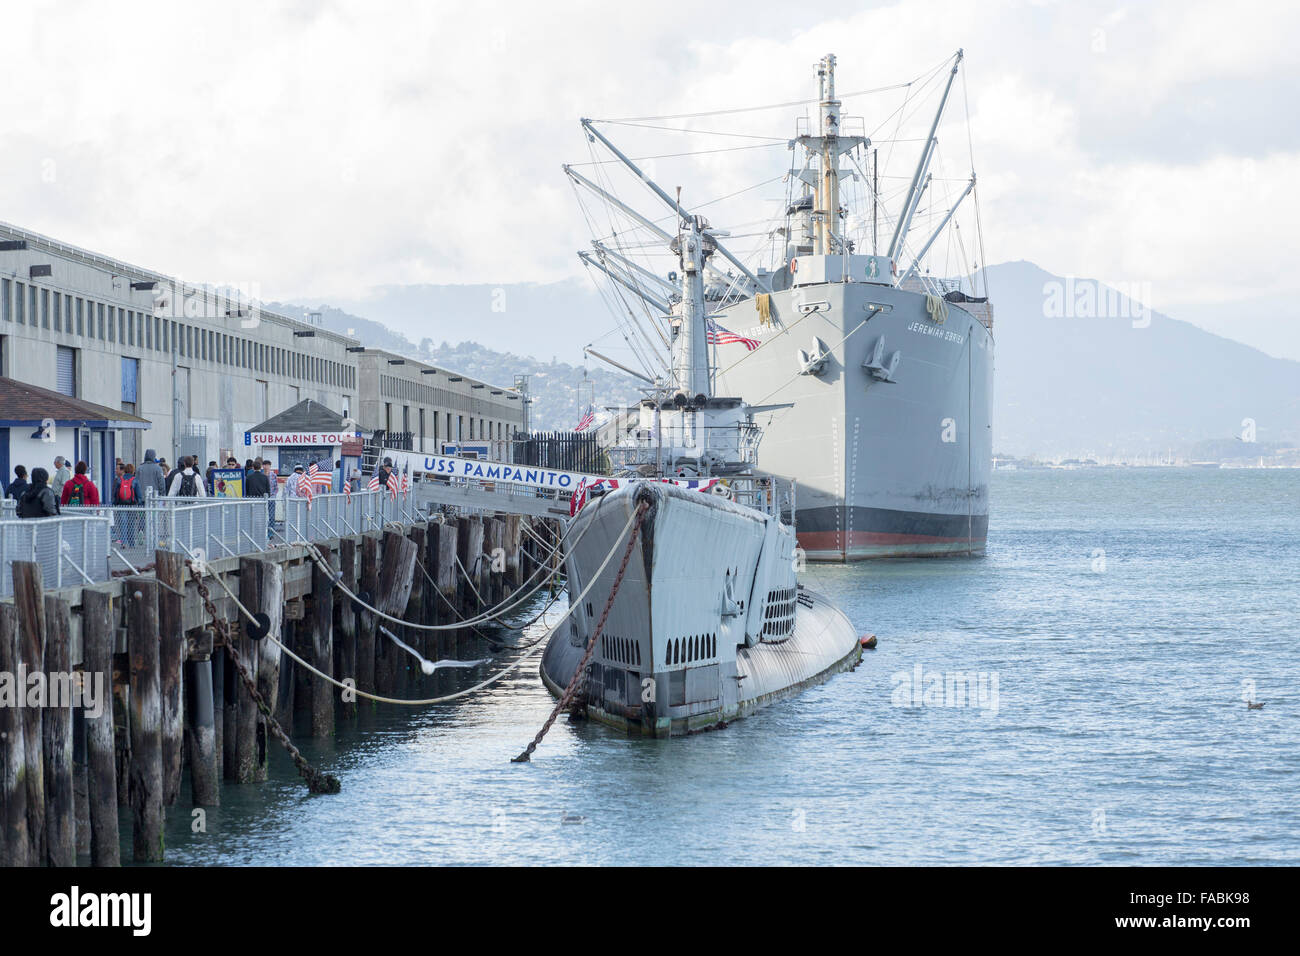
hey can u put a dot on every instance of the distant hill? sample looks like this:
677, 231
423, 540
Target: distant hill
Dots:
545, 320
561, 391
1086, 384
1070, 380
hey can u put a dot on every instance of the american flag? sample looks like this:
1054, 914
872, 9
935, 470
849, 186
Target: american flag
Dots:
304, 487
406, 480
581, 493
321, 474
717, 335
586, 420
394, 483
374, 481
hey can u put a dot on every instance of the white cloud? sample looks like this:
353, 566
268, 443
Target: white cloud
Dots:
323, 149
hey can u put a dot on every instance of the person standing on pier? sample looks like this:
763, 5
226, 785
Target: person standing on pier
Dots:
149, 474
62, 473
38, 500
187, 483
80, 490
19, 484
296, 482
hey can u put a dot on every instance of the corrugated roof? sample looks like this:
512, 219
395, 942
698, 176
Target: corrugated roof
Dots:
307, 415
22, 402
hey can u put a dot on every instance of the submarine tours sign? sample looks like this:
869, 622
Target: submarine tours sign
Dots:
442, 466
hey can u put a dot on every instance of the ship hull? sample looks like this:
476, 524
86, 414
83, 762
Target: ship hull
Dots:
708, 623
890, 463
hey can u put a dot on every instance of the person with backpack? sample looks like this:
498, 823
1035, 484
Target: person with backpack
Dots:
38, 500
125, 493
19, 484
187, 483
80, 490
127, 490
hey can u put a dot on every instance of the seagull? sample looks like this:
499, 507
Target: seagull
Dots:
1251, 705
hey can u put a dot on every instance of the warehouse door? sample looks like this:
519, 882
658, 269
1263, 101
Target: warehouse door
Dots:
66, 372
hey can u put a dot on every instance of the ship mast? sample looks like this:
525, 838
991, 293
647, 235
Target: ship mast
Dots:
690, 367
828, 144
828, 193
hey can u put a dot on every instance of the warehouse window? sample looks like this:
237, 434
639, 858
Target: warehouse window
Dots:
58, 312
5, 314
81, 316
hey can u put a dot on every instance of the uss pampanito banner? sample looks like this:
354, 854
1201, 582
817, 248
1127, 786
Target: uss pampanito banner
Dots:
444, 467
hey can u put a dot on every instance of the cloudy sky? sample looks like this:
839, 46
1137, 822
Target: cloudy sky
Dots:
318, 149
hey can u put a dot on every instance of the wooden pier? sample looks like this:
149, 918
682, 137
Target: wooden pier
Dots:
172, 699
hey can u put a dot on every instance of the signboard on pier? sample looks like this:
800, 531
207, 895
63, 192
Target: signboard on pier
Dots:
443, 466
301, 439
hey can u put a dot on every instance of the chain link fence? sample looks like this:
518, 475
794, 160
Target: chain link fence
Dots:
72, 550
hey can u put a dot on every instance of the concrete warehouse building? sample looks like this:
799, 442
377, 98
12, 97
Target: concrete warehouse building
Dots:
436, 407
206, 364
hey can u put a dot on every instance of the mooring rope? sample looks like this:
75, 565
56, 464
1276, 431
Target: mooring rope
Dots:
491, 614
576, 602
580, 672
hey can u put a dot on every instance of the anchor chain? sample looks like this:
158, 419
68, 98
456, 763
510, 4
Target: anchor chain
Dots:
580, 673
317, 782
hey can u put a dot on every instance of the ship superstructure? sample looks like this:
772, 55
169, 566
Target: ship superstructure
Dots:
873, 379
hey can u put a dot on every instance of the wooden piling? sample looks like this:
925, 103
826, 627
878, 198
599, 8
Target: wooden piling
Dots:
261, 590
80, 778
470, 555
146, 718
366, 619
15, 844
494, 560
169, 569
230, 717
395, 579
56, 725
219, 707
415, 603
514, 567
442, 565
322, 639
29, 598
201, 734
250, 736
345, 611
97, 650
270, 659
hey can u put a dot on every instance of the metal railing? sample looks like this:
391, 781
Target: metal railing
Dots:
88, 543
72, 550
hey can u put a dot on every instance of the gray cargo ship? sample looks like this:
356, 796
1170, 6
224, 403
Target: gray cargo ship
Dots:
873, 380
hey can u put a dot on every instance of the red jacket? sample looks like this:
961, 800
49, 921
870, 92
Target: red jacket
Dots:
90, 494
